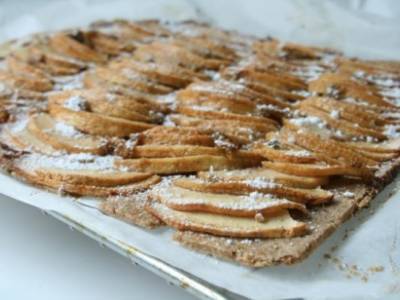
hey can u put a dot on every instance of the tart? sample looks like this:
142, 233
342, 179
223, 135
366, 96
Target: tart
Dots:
252, 149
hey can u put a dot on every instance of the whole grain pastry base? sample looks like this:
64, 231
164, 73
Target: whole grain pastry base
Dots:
261, 253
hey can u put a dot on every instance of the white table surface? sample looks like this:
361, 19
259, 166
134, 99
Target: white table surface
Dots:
41, 258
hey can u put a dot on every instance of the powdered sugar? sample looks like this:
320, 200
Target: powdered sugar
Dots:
335, 114
261, 183
348, 194
66, 130
111, 97
81, 161
222, 142
19, 125
66, 83
298, 153
311, 121
75, 103
391, 131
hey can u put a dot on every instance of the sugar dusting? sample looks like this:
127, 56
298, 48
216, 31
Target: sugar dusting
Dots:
75, 103
66, 130
80, 161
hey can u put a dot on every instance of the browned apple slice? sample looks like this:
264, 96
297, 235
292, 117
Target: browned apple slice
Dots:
163, 135
307, 196
90, 177
88, 190
265, 174
278, 226
351, 128
81, 174
62, 136
185, 164
23, 139
329, 147
154, 151
285, 155
131, 79
224, 204
68, 46
97, 124
210, 114
24, 82
317, 170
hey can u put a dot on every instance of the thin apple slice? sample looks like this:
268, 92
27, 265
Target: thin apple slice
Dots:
154, 151
265, 174
86, 190
185, 164
97, 124
23, 139
258, 185
285, 155
278, 226
317, 170
90, 177
68, 46
223, 204
64, 137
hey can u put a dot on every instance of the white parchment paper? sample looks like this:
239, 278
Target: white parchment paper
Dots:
363, 260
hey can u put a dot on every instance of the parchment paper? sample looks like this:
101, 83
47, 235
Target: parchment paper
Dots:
362, 259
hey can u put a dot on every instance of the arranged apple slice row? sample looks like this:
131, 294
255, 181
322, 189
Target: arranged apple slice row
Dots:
81, 174
62, 136
97, 124
282, 225
265, 174
186, 164
21, 138
181, 199
317, 170
258, 185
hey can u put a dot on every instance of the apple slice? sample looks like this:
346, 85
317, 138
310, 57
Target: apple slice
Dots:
62, 136
248, 206
317, 170
306, 196
265, 174
278, 226
185, 164
97, 124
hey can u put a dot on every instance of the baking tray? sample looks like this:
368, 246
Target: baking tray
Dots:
174, 276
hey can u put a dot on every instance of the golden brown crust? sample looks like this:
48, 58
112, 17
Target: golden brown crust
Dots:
268, 252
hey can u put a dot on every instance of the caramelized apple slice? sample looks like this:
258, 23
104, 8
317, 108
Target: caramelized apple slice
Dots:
316, 170
278, 226
90, 177
68, 46
154, 151
268, 175
185, 164
162, 135
65, 137
23, 139
258, 185
229, 205
97, 124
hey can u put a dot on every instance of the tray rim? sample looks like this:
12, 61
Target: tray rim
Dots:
173, 275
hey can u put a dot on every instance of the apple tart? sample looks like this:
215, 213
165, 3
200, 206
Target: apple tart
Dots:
252, 149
